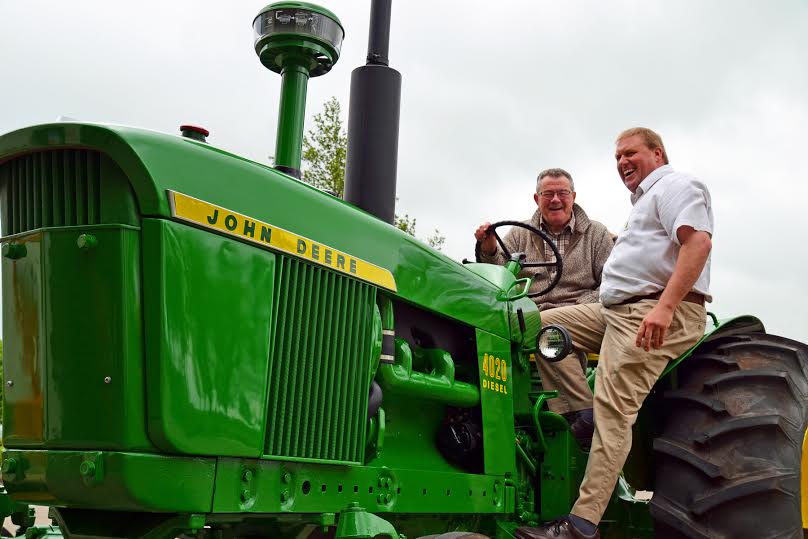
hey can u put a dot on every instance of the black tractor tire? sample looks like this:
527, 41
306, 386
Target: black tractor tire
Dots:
728, 458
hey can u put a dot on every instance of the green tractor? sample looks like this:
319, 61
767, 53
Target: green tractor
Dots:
197, 345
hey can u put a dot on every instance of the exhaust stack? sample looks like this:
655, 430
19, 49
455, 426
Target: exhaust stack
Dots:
373, 115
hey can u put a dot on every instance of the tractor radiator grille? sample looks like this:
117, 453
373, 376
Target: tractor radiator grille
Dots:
51, 188
320, 361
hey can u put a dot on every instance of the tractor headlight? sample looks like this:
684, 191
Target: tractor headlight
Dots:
554, 343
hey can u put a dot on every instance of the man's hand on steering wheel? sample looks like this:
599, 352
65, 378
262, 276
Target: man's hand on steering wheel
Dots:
487, 240
488, 244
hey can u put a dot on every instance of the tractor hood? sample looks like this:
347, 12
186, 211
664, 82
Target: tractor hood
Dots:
161, 167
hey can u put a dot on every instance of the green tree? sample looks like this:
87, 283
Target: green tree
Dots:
324, 150
407, 224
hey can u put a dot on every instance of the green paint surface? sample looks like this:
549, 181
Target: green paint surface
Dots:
496, 399
122, 481
208, 302
156, 162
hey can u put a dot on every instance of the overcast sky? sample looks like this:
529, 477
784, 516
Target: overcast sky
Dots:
492, 93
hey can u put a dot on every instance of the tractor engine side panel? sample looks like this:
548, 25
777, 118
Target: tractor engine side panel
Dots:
72, 326
208, 305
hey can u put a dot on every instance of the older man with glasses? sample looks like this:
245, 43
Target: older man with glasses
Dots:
584, 246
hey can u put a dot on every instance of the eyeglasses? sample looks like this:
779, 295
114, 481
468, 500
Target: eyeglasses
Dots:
549, 195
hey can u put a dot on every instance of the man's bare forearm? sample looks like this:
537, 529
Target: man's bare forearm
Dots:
689, 265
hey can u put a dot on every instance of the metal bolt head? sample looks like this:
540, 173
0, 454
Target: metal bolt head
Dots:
196, 522
9, 466
380, 498
14, 251
287, 477
245, 495
247, 476
388, 498
86, 241
10, 383
107, 379
87, 468
284, 496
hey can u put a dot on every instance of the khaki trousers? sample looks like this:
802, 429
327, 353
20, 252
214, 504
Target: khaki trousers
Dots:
625, 376
567, 376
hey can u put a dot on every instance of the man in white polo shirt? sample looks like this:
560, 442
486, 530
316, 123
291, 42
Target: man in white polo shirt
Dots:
651, 310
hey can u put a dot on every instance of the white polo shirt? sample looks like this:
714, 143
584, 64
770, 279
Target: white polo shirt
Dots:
645, 253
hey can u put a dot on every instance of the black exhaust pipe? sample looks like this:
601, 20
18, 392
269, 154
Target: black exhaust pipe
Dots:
373, 114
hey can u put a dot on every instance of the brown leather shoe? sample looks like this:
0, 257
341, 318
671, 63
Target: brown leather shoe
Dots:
557, 529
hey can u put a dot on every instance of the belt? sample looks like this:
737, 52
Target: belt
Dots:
691, 297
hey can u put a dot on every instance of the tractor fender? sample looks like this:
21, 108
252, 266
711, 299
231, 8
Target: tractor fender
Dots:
720, 328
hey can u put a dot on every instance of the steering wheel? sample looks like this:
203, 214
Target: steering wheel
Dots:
526, 263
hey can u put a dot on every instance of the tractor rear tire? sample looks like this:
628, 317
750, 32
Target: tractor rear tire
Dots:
728, 460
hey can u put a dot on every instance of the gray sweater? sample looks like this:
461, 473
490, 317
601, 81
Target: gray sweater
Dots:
583, 260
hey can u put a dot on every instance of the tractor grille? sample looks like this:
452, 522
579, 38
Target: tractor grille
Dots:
51, 188
320, 361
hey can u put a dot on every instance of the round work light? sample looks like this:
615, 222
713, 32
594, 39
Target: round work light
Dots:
554, 343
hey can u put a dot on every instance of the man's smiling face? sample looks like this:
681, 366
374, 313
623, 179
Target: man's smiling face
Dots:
635, 160
556, 210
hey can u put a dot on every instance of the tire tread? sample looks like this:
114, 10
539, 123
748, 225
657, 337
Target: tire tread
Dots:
726, 458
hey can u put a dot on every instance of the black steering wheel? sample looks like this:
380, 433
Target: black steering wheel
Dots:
558, 265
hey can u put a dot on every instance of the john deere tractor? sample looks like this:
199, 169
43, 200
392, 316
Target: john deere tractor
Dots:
198, 345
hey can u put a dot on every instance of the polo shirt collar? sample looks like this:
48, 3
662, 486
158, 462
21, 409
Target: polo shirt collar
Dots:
649, 182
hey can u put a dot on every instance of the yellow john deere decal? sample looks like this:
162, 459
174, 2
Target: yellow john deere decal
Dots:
235, 224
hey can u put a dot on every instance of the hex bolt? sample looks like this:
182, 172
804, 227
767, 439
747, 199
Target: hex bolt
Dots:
245, 495
388, 498
14, 251
381, 481
287, 477
284, 496
86, 242
87, 468
380, 498
107, 379
10, 383
9, 466
247, 476
196, 522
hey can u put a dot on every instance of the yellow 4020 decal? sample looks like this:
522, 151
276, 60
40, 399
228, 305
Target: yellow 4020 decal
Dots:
495, 374
210, 216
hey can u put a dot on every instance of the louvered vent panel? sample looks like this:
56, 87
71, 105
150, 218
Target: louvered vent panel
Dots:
320, 361
51, 188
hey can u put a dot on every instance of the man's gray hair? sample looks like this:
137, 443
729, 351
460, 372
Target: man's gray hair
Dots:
555, 172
